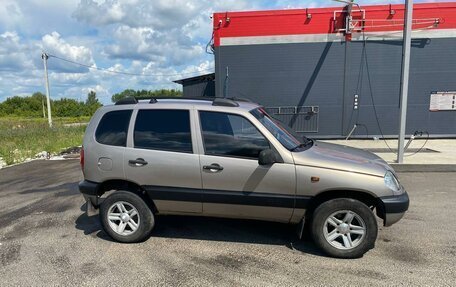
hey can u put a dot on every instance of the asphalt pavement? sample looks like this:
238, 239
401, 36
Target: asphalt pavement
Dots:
46, 239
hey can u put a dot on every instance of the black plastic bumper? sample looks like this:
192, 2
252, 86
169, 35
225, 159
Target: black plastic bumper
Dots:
90, 191
89, 187
393, 208
395, 203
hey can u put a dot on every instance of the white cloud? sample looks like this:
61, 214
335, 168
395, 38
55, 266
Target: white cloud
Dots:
94, 13
204, 67
170, 32
34, 18
14, 54
32, 82
158, 13
80, 93
100, 90
144, 43
10, 13
53, 44
71, 79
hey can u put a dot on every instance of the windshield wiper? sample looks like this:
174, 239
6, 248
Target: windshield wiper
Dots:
306, 142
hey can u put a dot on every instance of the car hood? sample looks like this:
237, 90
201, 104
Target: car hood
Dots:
340, 157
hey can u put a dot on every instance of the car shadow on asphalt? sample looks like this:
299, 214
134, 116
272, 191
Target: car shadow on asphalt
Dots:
214, 229
91, 225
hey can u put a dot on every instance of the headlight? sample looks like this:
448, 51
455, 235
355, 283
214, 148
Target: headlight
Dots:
391, 182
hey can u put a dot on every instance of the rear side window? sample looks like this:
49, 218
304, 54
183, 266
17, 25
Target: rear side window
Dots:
113, 128
167, 130
231, 135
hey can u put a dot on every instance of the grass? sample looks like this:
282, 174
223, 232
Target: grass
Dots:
23, 138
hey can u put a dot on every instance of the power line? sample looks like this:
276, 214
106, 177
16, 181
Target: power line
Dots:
126, 73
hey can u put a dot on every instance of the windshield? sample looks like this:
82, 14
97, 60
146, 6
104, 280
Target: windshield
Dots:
285, 135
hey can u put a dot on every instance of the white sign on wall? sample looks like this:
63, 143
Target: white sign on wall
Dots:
443, 101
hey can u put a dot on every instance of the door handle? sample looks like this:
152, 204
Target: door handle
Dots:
137, 162
213, 167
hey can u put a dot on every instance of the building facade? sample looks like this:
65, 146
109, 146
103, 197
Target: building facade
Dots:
199, 86
322, 76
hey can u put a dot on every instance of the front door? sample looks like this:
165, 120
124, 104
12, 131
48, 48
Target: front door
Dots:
234, 184
160, 157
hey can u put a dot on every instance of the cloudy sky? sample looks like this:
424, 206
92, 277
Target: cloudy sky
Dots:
163, 40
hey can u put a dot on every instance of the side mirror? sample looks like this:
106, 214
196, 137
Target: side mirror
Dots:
267, 157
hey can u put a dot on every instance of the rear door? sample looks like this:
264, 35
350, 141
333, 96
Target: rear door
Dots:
234, 184
161, 156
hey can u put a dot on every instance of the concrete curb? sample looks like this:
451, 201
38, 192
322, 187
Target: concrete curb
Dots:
424, 167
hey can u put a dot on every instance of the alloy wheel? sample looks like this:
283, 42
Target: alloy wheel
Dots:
123, 218
344, 229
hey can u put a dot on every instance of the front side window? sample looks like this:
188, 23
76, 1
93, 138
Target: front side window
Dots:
167, 130
285, 135
231, 135
113, 128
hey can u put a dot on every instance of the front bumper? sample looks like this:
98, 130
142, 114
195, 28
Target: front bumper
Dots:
393, 208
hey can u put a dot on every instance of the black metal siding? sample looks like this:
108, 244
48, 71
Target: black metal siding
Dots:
313, 74
200, 89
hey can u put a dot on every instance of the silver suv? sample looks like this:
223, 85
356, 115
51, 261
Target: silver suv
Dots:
229, 158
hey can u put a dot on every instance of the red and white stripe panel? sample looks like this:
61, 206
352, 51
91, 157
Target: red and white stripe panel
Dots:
294, 26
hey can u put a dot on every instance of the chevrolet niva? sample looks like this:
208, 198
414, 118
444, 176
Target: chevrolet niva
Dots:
228, 158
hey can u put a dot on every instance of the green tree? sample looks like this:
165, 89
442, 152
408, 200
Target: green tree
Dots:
92, 104
125, 94
2, 110
92, 98
23, 106
32, 106
68, 108
39, 95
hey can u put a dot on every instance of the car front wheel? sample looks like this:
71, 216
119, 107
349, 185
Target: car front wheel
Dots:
344, 228
126, 217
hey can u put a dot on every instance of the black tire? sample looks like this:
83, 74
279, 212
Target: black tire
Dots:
364, 242
145, 216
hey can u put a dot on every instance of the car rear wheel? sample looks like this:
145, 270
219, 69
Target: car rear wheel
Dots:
126, 217
344, 228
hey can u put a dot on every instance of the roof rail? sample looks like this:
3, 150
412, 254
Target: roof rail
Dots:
240, 99
216, 101
153, 100
127, 101
224, 102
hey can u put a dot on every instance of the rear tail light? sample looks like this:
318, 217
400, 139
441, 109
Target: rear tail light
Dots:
81, 154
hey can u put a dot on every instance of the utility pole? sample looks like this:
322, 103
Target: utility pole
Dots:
405, 78
44, 56
227, 78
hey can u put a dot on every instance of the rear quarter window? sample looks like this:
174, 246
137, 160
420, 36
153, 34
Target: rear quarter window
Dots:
113, 128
